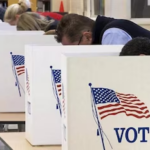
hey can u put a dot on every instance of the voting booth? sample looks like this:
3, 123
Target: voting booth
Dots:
43, 112
11, 32
13, 69
7, 27
106, 102
44, 104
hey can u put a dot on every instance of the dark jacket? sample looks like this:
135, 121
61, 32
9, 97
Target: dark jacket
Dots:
29, 10
2, 13
53, 25
103, 23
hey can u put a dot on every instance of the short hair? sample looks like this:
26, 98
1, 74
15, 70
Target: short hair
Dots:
16, 9
33, 21
137, 46
72, 26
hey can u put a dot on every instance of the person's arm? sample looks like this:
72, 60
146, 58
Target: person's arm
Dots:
115, 36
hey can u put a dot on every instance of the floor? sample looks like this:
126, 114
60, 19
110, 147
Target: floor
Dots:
3, 145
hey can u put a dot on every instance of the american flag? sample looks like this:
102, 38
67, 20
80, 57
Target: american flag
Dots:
109, 102
57, 81
63, 108
18, 61
57, 87
27, 82
63, 102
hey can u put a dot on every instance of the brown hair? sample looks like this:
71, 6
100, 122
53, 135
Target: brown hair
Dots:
33, 21
72, 26
16, 9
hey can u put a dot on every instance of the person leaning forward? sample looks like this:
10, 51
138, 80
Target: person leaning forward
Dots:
74, 29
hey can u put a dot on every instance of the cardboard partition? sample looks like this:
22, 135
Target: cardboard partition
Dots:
106, 102
12, 97
44, 89
15, 32
5, 27
43, 115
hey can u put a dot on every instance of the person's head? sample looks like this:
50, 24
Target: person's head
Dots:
15, 10
33, 21
75, 29
137, 46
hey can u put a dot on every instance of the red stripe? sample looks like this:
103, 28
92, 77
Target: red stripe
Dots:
125, 94
136, 116
58, 86
126, 110
109, 105
142, 108
110, 110
135, 100
20, 73
20, 67
139, 104
59, 90
131, 97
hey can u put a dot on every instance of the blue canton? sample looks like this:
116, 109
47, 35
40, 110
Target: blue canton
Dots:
103, 96
57, 75
18, 60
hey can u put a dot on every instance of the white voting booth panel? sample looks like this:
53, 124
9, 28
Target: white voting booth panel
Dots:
12, 97
43, 120
106, 103
5, 24
9, 32
7, 27
44, 89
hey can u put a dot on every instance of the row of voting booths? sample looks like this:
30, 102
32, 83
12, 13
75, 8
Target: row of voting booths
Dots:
87, 96
80, 97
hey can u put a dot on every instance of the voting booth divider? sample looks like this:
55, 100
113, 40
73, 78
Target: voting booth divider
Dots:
10, 32
7, 27
44, 91
106, 102
43, 115
13, 69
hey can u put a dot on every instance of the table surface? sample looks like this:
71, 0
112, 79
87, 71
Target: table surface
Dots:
17, 141
12, 117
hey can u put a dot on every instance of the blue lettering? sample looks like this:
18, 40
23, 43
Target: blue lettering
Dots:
127, 135
144, 129
117, 133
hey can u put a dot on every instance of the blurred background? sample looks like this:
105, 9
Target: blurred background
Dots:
117, 8
137, 11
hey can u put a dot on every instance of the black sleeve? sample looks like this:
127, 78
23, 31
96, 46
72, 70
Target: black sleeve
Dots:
29, 10
52, 26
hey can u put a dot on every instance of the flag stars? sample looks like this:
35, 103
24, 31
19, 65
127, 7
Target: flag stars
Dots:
18, 60
103, 95
57, 75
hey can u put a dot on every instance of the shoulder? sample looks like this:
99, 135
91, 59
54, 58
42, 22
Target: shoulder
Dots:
115, 31
115, 36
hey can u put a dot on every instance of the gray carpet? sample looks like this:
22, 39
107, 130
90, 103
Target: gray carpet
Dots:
4, 146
